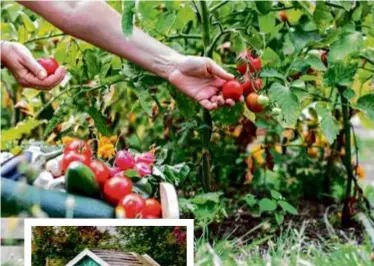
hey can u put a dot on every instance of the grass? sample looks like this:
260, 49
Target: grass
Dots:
291, 248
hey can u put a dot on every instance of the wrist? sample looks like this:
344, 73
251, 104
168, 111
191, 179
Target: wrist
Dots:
165, 65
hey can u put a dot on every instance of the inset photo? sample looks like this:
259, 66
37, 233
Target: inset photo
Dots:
108, 242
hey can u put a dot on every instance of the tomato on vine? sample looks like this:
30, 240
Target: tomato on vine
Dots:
247, 59
253, 104
232, 90
283, 16
251, 85
49, 64
263, 100
133, 205
79, 146
116, 188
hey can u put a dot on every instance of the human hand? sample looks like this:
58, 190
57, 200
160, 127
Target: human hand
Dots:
27, 71
201, 79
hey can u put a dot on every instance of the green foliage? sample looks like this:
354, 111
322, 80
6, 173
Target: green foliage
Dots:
128, 17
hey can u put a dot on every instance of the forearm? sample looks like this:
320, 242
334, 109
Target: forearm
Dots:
99, 24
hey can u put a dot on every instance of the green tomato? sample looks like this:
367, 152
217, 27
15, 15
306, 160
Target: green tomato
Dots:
276, 111
263, 100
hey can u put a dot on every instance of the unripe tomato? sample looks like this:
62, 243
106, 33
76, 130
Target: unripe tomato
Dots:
276, 111
124, 160
283, 16
101, 172
232, 90
133, 205
116, 188
263, 100
152, 207
324, 57
79, 146
146, 157
49, 64
74, 157
143, 169
251, 85
114, 171
252, 103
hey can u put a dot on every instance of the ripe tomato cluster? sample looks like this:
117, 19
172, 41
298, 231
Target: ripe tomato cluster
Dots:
248, 64
115, 186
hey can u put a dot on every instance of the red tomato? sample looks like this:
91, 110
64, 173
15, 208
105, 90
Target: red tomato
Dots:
246, 59
150, 217
113, 171
152, 207
254, 64
49, 64
133, 205
143, 169
324, 57
251, 85
252, 103
243, 59
79, 146
116, 188
283, 16
124, 160
101, 172
146, 157
233, 90
74, 157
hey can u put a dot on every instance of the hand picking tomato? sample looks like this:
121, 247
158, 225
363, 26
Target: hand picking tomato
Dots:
133, 205
113, 171
79, 146
116, 188
49, 64
152, 207
124, 160
72, 156
251, 85
101, 172
143, 169
232, 90
146, 157
252, 103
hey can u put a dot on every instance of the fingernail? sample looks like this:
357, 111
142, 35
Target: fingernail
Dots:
42, 74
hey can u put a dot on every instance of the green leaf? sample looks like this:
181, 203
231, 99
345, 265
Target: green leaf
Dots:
145, 98
267, 205
322, 15
228, 115
348, 43
271, 73
175, 174
366, 105
270, 58
267, 23
287, 207
250, 200
264, 6
100, 121
329, 124
275, 194
206, 197
57, 118
279, 218
127, 22
315, 62
287, 101
184, 15
186, 106
131, 173
340, 74
349, 93
22, 128
29, 25
165, 22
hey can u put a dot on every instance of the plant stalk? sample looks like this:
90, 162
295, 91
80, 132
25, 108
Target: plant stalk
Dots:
206, 131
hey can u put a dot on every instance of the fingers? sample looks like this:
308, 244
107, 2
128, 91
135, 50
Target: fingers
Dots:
217, 71
33, 66
208, 104
47, 83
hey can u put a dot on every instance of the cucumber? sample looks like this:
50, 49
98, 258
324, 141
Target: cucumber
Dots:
16, 198
79, 179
